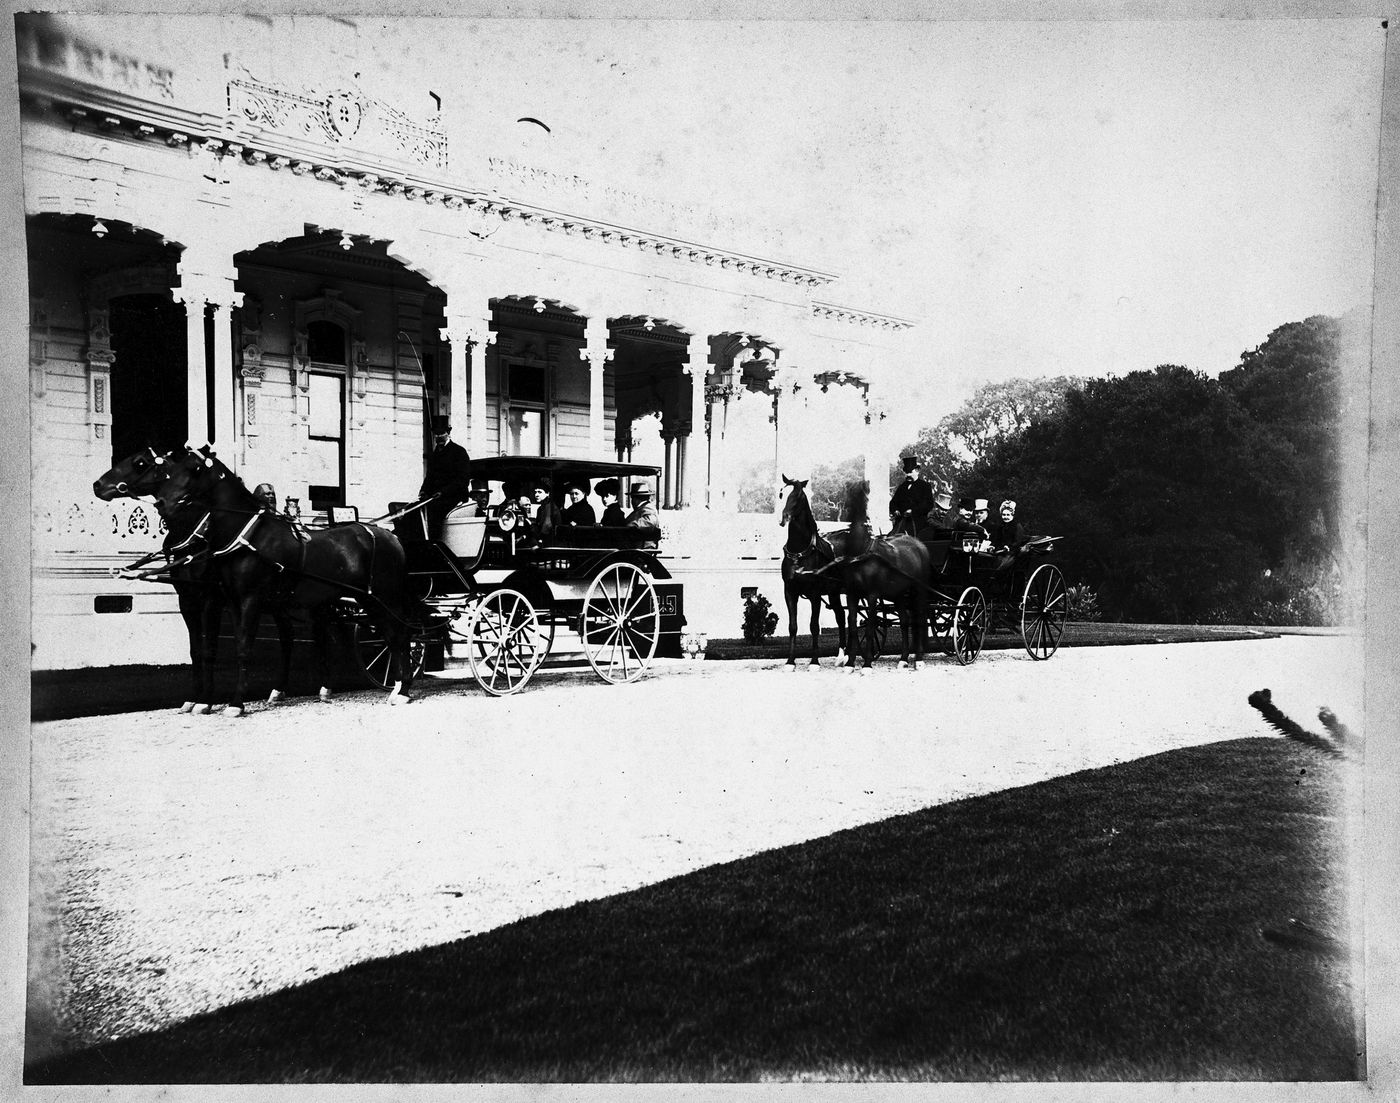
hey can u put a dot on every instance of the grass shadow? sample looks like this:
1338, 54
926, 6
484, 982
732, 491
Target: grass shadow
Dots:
1111, 924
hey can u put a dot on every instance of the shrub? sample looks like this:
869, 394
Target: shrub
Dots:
1083, 603
759, 619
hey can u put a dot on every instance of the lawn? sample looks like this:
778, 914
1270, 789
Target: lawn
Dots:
1126, 923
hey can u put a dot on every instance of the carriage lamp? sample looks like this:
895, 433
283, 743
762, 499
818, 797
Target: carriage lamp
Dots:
293, 508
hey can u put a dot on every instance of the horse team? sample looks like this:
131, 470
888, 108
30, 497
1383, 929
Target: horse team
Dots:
226, 548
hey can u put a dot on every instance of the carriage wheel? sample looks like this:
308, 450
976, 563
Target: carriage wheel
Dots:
1044, 607
459, 636
505, 642
969, 625
375, 660
872, 630
621, 623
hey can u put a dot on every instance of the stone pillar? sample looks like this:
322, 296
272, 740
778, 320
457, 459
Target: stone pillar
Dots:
208, 281
597, 354
668, 481
693, 480
469, 333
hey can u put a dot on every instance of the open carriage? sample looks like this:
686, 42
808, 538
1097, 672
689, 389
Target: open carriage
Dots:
498, 598
972, 591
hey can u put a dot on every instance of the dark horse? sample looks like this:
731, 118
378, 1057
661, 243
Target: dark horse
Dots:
894, 568
193, 574
806, 553
261, 556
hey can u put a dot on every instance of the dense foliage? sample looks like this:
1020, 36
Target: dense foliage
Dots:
1184, 498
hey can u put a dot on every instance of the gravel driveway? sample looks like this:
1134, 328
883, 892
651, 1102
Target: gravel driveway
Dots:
182, 863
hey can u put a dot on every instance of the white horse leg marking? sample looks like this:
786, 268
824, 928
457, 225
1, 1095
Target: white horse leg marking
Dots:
199, 709
188, 706
325, 693
275, 697
397, 696
233, 710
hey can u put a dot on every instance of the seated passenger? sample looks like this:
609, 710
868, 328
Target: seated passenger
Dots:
1006, 536
481, 497
643, 515
578, 511
965, 523
609, 490
940, 519
546, 513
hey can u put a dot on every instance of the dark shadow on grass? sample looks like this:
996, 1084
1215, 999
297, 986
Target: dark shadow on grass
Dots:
1105, 925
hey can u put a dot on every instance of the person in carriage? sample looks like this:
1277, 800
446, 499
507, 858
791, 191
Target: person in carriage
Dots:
609, 491
911, 501
643, 515
545, 514
578, 512
965, 523
446, 476
1006, 534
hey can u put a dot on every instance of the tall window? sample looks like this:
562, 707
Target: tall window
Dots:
526, 420
326, 440
325, 446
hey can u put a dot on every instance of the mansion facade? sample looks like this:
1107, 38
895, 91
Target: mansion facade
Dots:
222, 250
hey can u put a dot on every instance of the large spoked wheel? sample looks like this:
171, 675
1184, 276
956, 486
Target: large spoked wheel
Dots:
375, 660
505, 642
1044, 608
969, 626
872, 630
621, 623
462, 643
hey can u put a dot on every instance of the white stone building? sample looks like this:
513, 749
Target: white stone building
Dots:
229, 242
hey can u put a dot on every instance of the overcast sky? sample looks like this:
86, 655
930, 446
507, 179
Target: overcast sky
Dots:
1042, 198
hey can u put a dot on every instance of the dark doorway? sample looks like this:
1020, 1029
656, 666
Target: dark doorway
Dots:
149, 380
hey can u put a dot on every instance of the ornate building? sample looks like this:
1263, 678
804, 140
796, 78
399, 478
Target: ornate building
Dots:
225, 246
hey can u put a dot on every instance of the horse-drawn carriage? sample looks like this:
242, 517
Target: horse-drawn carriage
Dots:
972, 591
948, 583
490, 592
498, 597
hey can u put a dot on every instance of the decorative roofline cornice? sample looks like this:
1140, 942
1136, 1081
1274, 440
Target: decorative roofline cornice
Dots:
114, 113
852, 316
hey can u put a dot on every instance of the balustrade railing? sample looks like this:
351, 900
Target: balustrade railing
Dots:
118, 527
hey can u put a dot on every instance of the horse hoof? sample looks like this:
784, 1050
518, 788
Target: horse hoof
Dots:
813, 666
275, 697
399, 698
902, 665
188, 706
233, 710
918, 666
325, 693
199, 710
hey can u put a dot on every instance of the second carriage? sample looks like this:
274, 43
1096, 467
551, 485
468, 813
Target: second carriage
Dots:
498, 599
972, 591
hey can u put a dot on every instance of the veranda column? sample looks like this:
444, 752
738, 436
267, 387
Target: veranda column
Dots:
693, 480
206, 281
597, 353
225, 385
469, 334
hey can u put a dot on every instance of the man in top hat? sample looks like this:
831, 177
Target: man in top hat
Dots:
610, 490
578, 511
643, 515
481, 497
447, 473
911, 501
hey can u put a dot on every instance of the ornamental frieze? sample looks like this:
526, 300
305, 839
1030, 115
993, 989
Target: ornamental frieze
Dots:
339, 116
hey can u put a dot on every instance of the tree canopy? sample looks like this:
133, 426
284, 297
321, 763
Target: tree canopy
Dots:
1181, 497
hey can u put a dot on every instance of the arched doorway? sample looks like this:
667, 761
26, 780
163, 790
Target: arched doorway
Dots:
148, 377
